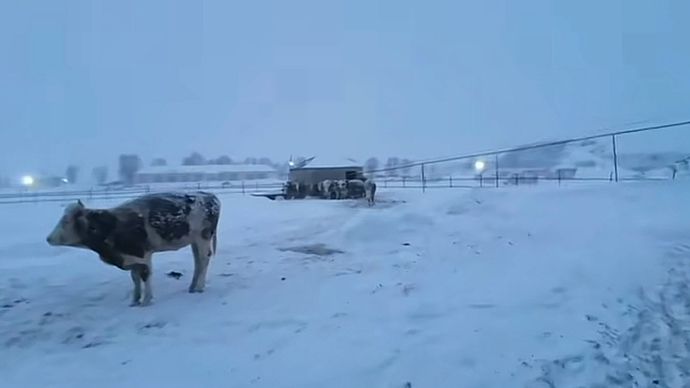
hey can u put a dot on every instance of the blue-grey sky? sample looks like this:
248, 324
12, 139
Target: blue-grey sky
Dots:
82, 81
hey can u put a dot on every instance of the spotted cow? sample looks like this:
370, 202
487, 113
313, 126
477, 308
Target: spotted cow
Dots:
355, 188
341, 189
328, 189
126, 236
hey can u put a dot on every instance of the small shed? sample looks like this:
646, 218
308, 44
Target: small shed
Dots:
317, 170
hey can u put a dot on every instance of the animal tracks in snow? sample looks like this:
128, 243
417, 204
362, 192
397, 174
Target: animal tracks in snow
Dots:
653, 351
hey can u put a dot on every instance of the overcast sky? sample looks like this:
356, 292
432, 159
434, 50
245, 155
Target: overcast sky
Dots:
82, 81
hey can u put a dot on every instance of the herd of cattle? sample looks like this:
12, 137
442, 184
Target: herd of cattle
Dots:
127, 236
334, 189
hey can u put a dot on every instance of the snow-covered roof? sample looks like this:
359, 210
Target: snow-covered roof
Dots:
331, 162
207, 169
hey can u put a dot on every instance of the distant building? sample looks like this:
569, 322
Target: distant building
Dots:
315, 170
205, 173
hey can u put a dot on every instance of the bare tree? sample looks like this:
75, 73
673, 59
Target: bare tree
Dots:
159, 162
371, 164
405, 167
129, 165
224, 159
72, 174
195, 159
391, 164
100, 174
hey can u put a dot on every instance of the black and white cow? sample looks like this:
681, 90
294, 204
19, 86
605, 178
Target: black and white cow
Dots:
341, 189
355, 188
370, 191
328, 189
126, 236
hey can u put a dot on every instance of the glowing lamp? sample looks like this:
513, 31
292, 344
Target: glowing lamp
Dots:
479, 165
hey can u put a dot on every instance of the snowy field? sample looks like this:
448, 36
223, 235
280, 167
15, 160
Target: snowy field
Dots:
519, 287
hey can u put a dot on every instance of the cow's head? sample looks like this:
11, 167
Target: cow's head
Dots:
82, 227
69, 231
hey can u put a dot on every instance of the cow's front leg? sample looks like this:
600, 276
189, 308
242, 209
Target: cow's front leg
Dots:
140, 270
136, 294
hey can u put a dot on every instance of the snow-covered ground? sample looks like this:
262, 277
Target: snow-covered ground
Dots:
539, 286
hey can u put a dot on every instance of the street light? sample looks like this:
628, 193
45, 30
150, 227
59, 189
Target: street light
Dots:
479, 165
28, 180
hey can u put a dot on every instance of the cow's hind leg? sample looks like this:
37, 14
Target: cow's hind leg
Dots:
146, 273
202, 250
136, 279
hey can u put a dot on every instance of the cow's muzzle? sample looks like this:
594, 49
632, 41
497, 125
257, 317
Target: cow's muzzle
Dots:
52, 240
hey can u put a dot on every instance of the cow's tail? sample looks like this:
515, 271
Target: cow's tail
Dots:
214, 243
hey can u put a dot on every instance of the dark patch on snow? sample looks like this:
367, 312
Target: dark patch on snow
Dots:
377, 288
75, 334
349, 271
408, 288
93, 344
14, 303
482, 306
152, 325
313, 249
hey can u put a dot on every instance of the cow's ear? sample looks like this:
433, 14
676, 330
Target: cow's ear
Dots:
80, 203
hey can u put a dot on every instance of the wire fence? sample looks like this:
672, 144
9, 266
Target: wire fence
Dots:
606, 157
240, 188
638, 154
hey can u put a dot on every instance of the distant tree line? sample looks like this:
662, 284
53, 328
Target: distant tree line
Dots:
196, 159
393, 167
